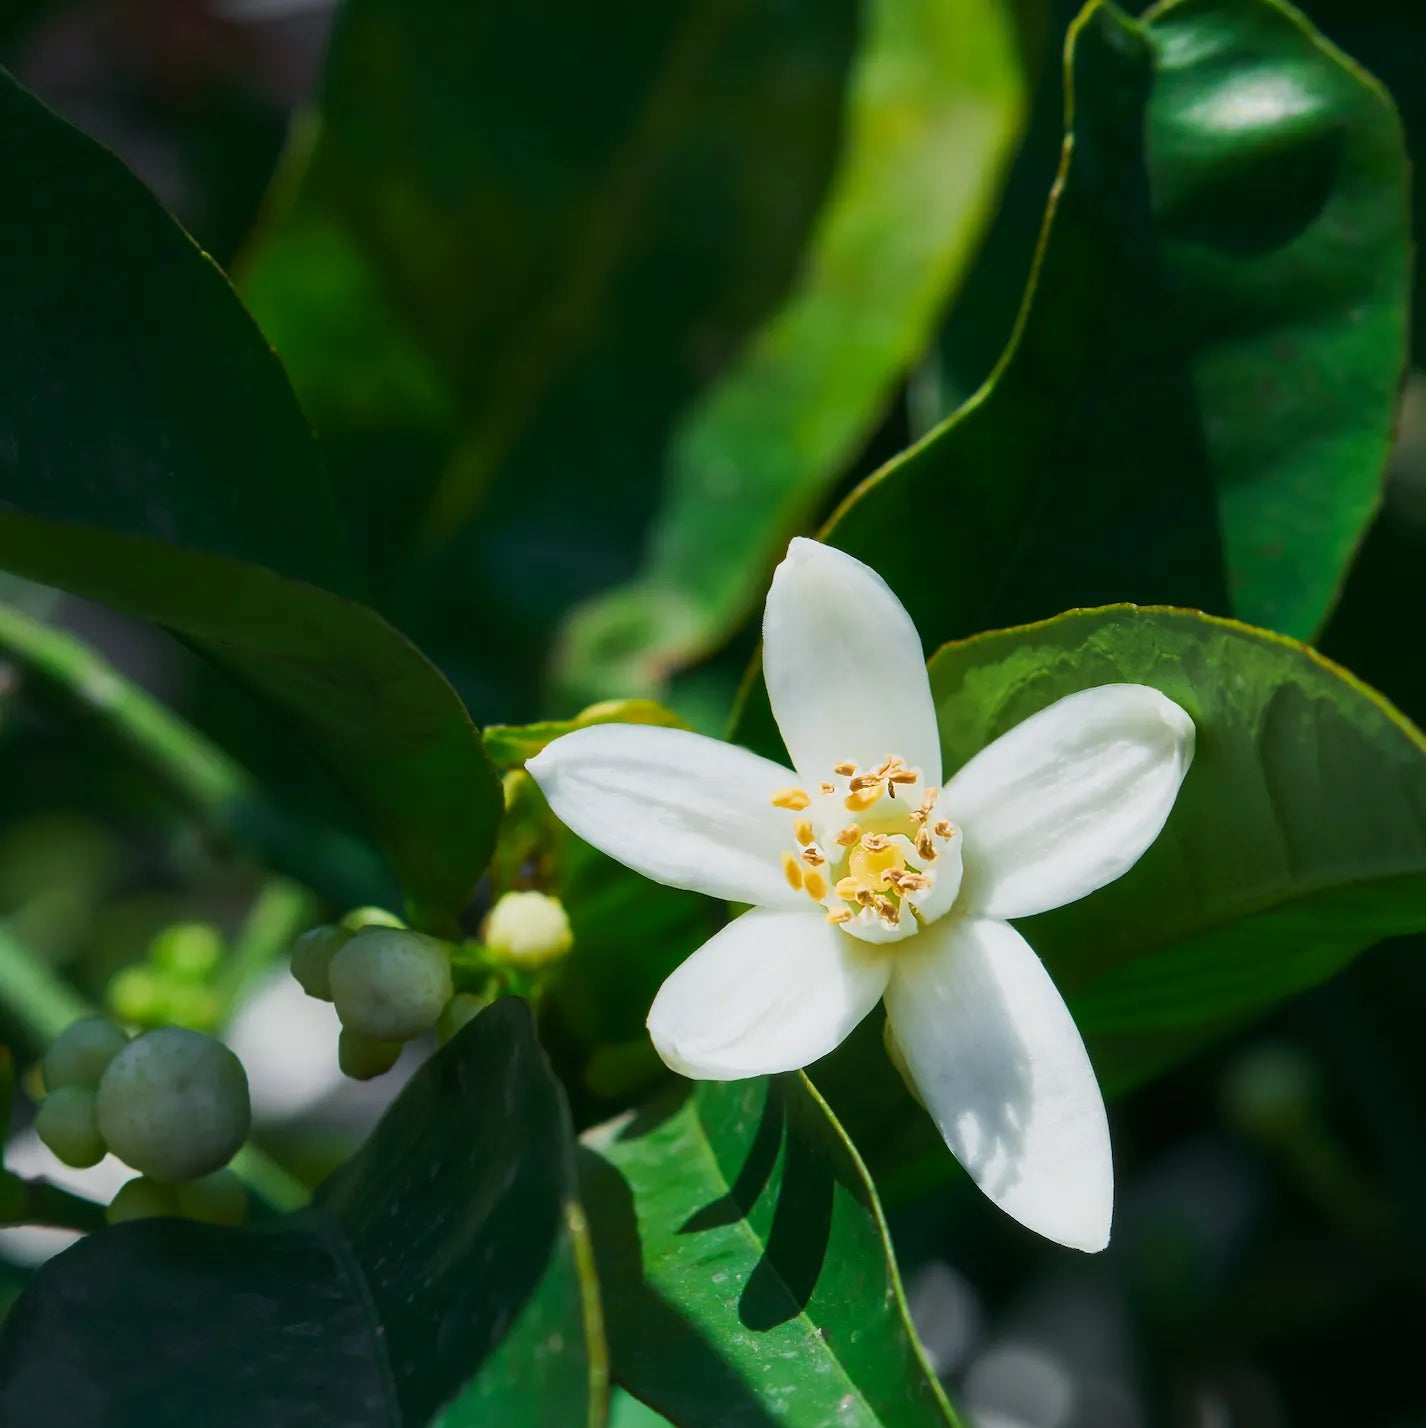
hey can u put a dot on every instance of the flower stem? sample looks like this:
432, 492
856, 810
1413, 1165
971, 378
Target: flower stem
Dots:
37, 1202
281, 910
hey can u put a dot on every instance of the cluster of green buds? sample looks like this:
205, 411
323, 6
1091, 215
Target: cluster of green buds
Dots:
391, 985
172, 985
172, 1103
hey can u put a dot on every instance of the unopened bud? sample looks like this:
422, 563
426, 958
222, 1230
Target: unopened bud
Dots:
142, 1199
189, 950
363, 1059
390, 985
217, 1199
79, 1054
360, 917
312, 955
174, 1104
528, 930
67, 1123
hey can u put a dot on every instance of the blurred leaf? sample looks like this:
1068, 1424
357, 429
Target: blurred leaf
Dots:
530, 235
1298, 840
1197, 404
441, 1277
512, 744
746, 1268
937, 100
153, 459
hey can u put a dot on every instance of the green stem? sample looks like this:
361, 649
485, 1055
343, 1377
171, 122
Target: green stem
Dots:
225, 798
37, 1202
44, 1005
281, 910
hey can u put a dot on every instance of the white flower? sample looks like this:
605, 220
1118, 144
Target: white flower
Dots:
870, 880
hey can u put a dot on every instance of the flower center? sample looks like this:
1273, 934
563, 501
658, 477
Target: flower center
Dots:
884, 872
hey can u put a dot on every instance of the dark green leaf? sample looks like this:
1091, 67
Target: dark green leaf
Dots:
152, 457
936, 102
1298, 840
747, 1274
1197, 405
441, 1277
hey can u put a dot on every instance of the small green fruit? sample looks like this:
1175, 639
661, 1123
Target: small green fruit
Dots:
67, 1123
360, 917
139, 994
528, 930
192, 1005
189, 950
312, 955
79, 1054
218, 1199
362, 1059
174, 1104
141, 1199
390, 985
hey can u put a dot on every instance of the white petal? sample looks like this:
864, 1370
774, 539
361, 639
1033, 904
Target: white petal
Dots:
677, 807
771, 992
1070, 799
999, 1063
844, 667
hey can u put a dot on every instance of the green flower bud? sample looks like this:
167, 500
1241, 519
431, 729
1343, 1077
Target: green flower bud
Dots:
66, 1122
528, 930
79, 1054
461, 1010
390, 985
312, 955
189, 950
141, 1199
218, 1199
360, 917
174, 1104
362, 1059
140, 995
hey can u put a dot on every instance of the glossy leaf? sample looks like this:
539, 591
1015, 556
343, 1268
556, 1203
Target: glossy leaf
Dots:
152, 457
1298, 839
441, 1277
506, 271
745, 1266
1197, 404
936, 102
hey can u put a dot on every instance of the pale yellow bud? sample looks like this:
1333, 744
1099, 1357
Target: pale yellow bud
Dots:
528, 929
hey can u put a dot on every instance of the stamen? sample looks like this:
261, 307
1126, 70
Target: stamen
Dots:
886, 910
944, 828
928, 799
812, 857
865, 896
848, 835
794, 798
865, 781
876, 842
903, 776
840, 915
792, 871
846, 768
815, 884
828, 787
802, 830
925, 847
860, 802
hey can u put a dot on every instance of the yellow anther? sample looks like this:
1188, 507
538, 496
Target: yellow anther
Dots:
870, 866
815, 884
794, 798
847, 889
846, 769
839, 915
908, 882
925, 847
802, 830
903, 776
943, 828
792, 871
848, 835
928, 799
812, 857
876, 842
886, 910
865, 781
865, 896
828, 787
860, 802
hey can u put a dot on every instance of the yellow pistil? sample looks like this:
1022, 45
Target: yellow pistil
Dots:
869, 865
794, 798
792, 871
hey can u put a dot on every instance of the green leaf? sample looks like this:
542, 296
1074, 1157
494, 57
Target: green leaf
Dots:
153, 458
507, 270
441, 1277
510, 745
1297, 841
747, 1274
936, 103
1197, 405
